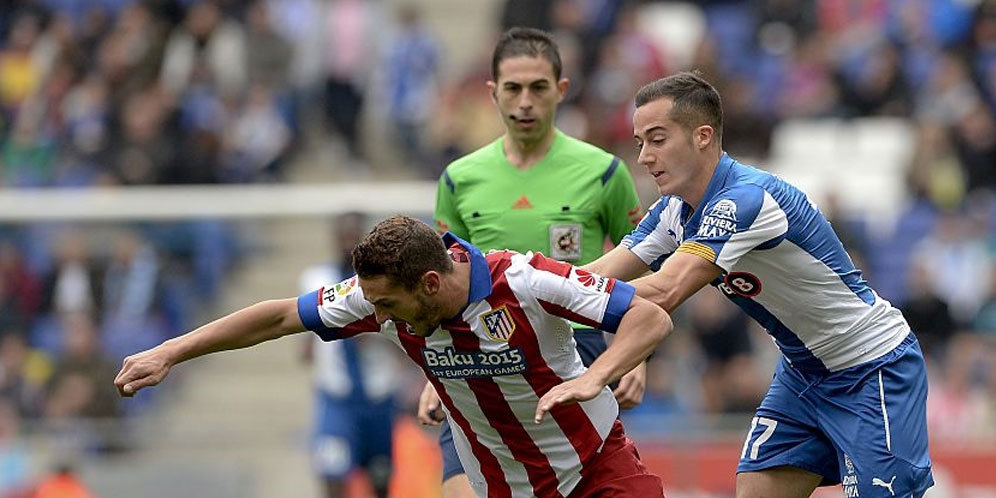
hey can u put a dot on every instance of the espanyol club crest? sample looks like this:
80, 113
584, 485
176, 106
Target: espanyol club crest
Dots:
721, 221
725, 209
498, 322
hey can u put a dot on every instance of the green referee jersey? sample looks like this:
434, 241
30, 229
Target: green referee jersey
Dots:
563, 206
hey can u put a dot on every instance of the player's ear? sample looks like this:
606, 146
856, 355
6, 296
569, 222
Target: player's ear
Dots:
430, 282
704, 136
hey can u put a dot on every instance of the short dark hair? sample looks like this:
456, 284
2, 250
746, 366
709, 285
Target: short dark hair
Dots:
696, 102
530, 42
403, 249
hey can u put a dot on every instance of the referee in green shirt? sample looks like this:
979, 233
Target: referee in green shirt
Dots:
534, 189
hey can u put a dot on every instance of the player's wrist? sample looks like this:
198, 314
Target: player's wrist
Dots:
171, 352
600, 376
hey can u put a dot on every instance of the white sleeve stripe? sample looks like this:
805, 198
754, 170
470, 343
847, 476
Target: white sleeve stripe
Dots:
770, 222
585, 301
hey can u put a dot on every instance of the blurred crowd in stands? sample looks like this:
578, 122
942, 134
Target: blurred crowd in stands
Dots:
139, 92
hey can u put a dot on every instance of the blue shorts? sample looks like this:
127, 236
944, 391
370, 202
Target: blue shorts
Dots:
590, 344
353, 433
864, 427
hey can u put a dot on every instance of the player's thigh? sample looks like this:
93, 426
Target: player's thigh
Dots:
618, 472
458, 486
879, 425
777, 482
785, 432
377, 442
335, 438
378, 428
452, 466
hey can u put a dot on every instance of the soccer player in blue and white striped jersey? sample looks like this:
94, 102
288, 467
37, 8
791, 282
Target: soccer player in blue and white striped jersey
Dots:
847, 404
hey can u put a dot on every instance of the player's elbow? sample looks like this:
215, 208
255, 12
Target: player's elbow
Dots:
664, 324
656, 323
279, 318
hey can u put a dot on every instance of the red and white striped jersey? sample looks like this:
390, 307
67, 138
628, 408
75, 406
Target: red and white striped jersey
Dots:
491, 364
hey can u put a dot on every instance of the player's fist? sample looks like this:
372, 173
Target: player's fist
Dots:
430, 411
144, 369
629, 393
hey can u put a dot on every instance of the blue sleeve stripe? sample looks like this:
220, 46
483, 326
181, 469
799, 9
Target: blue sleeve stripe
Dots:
751, 201
656, 264
622, 294
647, 225
449, 181
612, 169
307, 309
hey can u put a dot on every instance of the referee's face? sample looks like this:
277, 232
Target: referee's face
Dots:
527, 94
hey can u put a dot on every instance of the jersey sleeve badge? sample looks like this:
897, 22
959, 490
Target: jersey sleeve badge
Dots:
721, 221
565, 241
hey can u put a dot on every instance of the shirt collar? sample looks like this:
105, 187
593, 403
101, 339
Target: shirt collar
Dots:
716, 183
480, 273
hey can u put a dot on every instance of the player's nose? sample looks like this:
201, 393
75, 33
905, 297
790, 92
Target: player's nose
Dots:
381, 317
645, 158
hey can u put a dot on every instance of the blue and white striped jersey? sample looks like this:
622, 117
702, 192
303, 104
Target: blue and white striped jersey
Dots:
783, 265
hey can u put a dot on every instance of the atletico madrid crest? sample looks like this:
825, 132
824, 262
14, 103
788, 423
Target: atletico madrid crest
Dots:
498, 322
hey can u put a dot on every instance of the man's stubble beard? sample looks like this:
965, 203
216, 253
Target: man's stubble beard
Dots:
430, 314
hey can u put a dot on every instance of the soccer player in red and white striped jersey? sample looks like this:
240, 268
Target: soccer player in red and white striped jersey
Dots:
492, 334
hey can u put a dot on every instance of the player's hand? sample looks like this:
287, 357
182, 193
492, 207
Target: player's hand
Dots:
144, 369
578, 389
430, 411
629, 392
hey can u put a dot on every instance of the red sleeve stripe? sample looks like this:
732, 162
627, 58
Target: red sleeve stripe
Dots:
541, 262
367, 324
498, 263
558, 310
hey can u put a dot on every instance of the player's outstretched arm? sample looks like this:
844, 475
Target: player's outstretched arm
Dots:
681, 275
641, 329
620, 263
247, 327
